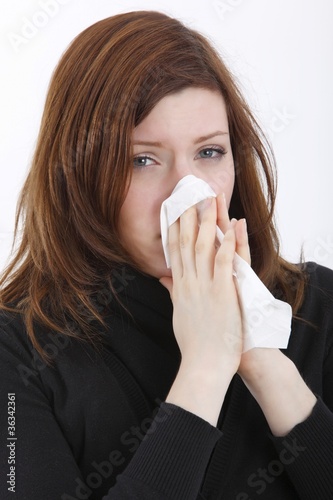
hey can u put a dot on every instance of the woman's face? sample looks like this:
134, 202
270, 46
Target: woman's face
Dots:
185, 133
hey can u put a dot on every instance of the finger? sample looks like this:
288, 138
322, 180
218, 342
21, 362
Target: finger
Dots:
224, 259
242, 241
205, 244
174, 250
187, 237
222, 213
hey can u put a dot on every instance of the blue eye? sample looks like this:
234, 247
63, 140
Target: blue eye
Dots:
142, 161
211, 153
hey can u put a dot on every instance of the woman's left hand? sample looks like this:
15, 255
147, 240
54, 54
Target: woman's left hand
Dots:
271, 377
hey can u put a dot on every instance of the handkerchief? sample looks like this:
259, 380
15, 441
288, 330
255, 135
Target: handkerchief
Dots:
266, 320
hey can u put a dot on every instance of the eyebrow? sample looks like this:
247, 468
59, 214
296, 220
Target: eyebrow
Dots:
203, 138
147, 143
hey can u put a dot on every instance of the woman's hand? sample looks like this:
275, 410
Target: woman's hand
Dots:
276, 384
207, 317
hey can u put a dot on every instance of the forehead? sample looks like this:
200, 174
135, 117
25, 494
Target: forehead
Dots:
192, 111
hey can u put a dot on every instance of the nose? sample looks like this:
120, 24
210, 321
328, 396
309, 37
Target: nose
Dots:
180, 169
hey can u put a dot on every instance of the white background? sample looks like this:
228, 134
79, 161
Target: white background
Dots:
280, 52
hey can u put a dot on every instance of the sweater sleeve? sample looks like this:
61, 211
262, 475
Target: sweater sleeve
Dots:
307, 453
171, 461
36, 460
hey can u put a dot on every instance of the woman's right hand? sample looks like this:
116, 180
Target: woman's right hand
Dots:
207, 317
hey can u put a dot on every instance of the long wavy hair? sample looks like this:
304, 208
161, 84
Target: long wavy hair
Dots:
107, 81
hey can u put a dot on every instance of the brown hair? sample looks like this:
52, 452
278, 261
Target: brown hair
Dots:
107, 81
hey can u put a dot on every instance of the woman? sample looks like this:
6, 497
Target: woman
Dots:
128, 379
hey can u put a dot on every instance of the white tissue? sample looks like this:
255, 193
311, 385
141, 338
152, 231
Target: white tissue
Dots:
266, 320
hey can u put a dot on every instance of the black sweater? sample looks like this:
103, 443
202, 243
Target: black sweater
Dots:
80, 424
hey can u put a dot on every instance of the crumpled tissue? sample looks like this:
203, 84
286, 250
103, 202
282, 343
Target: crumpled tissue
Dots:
266, 320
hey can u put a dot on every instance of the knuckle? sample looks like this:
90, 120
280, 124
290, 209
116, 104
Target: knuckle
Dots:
226, 253
200, 247
224, 258
184, 240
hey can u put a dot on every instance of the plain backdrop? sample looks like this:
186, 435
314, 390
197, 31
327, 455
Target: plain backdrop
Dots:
279, 51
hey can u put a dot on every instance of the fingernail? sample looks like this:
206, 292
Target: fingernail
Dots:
244, 225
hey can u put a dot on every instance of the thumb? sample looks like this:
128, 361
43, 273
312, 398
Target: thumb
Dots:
166, 281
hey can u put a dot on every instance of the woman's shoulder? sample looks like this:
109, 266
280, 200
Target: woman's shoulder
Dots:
11, 325
317, 305
319, 279
14, 340
22, 362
